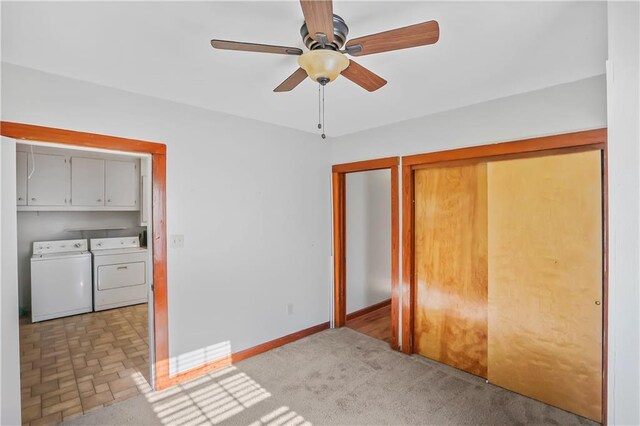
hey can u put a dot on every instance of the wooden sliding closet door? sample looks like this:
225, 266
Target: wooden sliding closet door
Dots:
545, 279
451, 266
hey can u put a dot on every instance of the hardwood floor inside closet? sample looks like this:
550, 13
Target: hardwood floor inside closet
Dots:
376, 324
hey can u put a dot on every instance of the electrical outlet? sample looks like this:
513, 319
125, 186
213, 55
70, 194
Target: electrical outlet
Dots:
177, 241
290, 309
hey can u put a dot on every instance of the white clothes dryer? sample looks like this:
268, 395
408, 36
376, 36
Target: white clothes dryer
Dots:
119, 272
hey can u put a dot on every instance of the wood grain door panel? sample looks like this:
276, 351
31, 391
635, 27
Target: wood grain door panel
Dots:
451, 266
545, 279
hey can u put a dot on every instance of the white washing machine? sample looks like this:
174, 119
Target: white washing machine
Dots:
119, 272
60, 279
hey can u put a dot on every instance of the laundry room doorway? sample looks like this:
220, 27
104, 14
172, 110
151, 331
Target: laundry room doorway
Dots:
91, 268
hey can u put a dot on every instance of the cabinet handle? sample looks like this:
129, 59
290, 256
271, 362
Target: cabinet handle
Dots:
99, 199
33, 199
109, 200
122, 267
20, 198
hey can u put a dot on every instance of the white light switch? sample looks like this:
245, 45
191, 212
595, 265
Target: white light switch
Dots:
177, 241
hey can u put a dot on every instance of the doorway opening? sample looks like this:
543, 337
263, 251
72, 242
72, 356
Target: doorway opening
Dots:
83, 277
368, 241
90, 239
365, 220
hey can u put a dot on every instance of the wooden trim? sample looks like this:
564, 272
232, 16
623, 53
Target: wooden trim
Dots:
159, 181
366, 165
605, 281
407, 259
242, 355
339, 259
395, 258
343, 242
486, 152
477, 160
548, 145
160, 301
339, 172
71, 137
368, 309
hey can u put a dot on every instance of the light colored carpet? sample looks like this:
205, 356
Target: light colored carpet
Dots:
338, 377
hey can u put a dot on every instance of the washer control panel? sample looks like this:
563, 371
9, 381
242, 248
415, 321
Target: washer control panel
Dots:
62, 246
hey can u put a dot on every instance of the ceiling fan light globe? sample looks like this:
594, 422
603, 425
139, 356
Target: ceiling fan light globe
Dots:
323, 64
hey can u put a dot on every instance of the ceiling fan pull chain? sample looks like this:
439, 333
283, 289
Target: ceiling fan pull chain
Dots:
319, 108
324, 136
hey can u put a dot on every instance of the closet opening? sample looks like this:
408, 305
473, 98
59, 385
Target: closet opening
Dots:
504, 265
365, 208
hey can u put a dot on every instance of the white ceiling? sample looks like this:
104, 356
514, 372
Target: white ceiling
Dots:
487, 50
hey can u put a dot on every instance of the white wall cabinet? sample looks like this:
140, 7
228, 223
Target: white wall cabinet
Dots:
87, 181
60, 182
21, 178
121, 183
49, 183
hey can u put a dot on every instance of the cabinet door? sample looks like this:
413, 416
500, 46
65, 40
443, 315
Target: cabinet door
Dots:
49, 184
87, 181
121, 184
545, 279
144, 209
21, 178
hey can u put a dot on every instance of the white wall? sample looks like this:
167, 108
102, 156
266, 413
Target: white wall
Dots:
251, 199
49, 226
9, 341
624, 212
580, 105
368, 203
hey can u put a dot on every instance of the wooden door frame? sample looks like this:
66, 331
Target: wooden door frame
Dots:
547, 145
20, 131
339, 172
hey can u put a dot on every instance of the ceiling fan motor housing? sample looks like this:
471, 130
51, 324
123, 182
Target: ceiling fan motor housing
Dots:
340, 32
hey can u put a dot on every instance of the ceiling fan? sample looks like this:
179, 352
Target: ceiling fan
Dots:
324, 34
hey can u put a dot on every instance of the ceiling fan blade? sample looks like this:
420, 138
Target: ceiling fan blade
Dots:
400, 38
363, 77
292, 81
254, 47
318, 14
